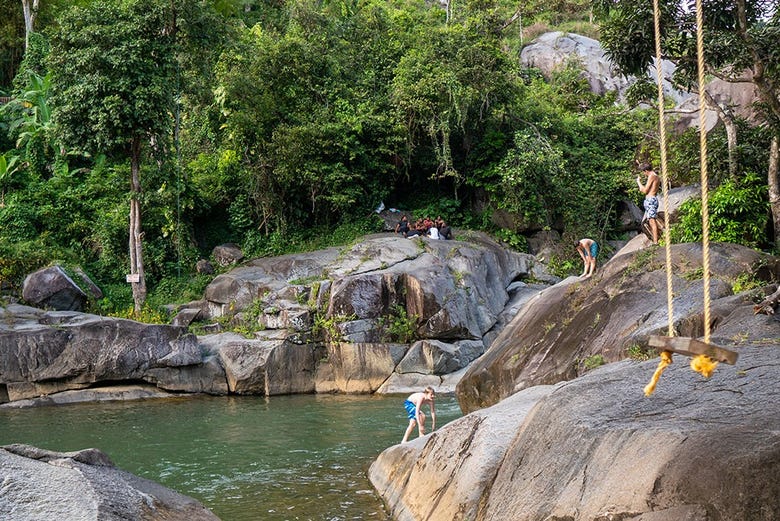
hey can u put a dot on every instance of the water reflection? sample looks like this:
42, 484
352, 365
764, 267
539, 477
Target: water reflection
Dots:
246, 458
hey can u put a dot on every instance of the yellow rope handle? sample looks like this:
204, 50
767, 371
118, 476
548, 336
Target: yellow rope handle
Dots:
704, 365
666, 360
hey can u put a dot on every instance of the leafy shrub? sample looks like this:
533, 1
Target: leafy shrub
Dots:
593, 362
514, 240
328, 327
399, 326
738, 211
17, 260
148, 315
639, 353
746, 282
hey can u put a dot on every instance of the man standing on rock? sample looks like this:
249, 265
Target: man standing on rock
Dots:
650, 189
413, 406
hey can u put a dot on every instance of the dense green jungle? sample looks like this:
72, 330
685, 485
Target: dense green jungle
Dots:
281, 126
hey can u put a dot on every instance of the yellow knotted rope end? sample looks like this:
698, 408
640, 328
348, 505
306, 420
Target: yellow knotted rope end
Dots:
703, 365
666, 360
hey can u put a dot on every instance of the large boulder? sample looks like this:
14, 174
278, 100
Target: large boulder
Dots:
456, 289
451, 293
268, 364
453, 287
238, 289
596, 449
72, 356
739, 98
444, 474
554, 50
357, 368
437, 357
581, 322
53, 288
680, 454
40, 485
227, 254
46, 352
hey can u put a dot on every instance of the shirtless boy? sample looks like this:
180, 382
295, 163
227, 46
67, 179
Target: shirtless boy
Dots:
413, 406
588, 250
650, 189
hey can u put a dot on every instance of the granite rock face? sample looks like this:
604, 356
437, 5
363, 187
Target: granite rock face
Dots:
40, 485
595, 448
444, 475
385, 313
45, 352
592, 447
696, 449
371, 304
579, 323
554, 50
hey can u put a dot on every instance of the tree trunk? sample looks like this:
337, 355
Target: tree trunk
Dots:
137, 278
774, 186
30, 12
726, 116
768, 94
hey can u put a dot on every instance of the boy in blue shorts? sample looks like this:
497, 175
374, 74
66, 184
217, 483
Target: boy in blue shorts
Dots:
413, 406
588, 250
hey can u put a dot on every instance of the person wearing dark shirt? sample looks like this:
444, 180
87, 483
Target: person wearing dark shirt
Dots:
445, 232
403, 226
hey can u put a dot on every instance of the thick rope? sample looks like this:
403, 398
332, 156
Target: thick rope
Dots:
702, 363
666, 356
664, 166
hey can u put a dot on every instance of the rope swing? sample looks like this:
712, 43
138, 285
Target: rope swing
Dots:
705, 356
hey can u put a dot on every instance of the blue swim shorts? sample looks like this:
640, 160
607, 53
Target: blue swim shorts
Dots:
594, 249
411, 409
651, 207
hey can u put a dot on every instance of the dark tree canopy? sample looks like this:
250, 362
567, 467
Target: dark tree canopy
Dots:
113, 66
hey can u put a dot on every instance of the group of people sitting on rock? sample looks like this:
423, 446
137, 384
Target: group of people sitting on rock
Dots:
425, 227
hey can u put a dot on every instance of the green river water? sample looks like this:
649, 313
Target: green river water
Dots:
301, 457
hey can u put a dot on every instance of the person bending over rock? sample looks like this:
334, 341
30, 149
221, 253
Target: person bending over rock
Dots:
588, 250
413, 406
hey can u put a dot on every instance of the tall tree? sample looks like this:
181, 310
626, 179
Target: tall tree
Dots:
30, 10
306, 112
451, 83
740, 44
113, 65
